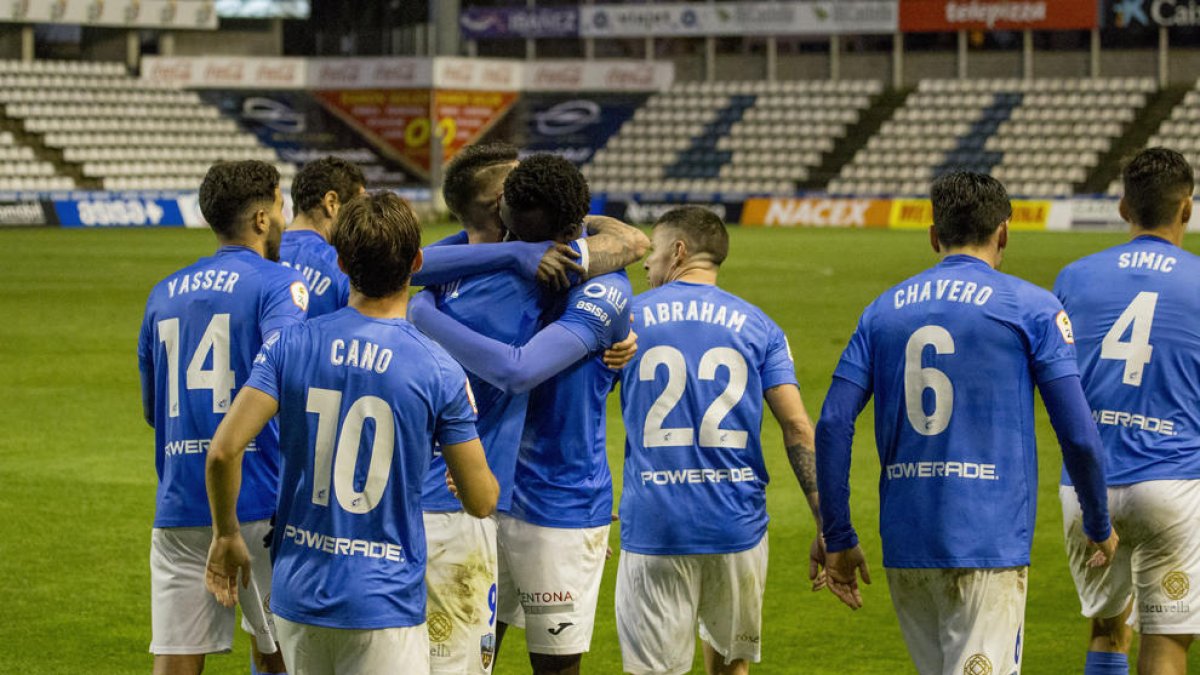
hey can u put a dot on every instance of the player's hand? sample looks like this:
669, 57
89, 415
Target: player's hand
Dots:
1103, 551
816, 563
621, 353
556, 265
228, 560
841, 568
608, 549
450, 484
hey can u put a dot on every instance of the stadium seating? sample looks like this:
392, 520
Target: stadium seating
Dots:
746, 137
1040, 137
120, 131
1179, 132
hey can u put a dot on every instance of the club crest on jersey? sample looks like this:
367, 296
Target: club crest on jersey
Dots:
300, 294
1064, 326
487, 650
439, 627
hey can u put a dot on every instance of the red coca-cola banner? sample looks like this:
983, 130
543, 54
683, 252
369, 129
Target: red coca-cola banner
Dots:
935, 16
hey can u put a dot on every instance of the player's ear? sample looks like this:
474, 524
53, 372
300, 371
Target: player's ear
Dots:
330, 204
681, 252
1002, 237
933, 240
418, 261
1123, 210
1186, 215
262, 221
342, 265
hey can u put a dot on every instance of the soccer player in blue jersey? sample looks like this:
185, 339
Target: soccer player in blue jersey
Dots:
1136, 311
319, 190
952, 356
552, 540
362, 399
202, 327
463, 561
693, 500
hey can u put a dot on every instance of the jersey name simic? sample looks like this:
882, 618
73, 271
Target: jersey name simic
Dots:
208, 280
704, 312
1146, 260
951, 290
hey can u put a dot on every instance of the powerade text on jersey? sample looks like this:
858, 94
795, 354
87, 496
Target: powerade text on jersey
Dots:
562, 476
952, 356
506, 307
692, 400
361, 403
1136, 314
316, 260
202, 327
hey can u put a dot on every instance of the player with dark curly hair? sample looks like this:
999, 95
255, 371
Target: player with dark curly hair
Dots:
319, 190
555, 512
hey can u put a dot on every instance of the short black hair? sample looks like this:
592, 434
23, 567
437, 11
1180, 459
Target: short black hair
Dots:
377, 236
458, 186
702, 229
552, 184
231, 189
968, 207
1157, 181
319, 176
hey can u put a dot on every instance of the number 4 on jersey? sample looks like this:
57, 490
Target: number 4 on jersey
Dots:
1137, 351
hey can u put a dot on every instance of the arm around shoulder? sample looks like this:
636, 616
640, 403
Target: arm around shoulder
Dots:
613, 245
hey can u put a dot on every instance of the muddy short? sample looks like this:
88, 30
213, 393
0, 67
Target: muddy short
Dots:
460, 577
1158, 559
961, 620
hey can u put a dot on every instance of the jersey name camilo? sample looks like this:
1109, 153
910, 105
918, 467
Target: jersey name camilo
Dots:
506, 307
316, 260
1136, 310
692, 401
951, 356
562, 477
361, 403
202, 327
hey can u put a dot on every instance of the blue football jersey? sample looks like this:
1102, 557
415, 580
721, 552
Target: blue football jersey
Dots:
1136, 314
562, 477
316, 260
506, 307
202, 327
361, 403
952, 356
692, 400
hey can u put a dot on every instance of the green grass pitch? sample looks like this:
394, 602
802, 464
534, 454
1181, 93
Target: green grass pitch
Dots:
77, 465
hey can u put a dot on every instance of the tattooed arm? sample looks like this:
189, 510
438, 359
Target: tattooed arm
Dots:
612, 245
798, 437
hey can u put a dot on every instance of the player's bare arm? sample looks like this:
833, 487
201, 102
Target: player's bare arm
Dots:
613, 245
228, 557
474, 484
799, 439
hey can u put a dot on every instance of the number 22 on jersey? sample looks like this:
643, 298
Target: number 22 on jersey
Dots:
654, 435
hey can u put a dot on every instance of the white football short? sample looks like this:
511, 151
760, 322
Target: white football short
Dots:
460, 577
316, 650
549, 583
184, 617
661, 598
1157, 560
968, 620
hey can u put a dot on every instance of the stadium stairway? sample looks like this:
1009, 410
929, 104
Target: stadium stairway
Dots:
884, 108
1159, 107
63, 168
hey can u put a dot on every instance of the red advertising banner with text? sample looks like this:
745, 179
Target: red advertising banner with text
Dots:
397, 121
937, 16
